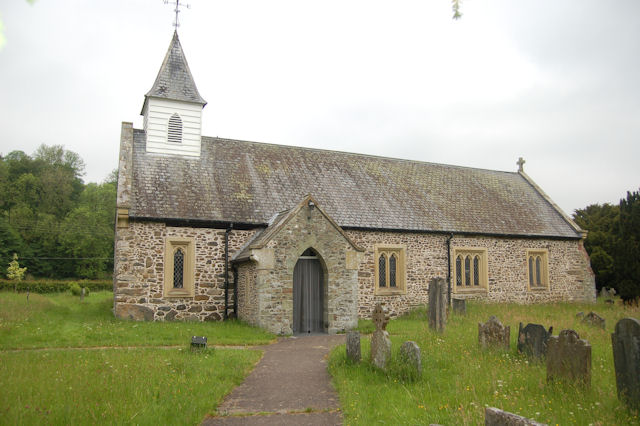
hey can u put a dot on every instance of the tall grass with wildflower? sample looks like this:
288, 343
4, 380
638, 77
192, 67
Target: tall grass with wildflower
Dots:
460, 379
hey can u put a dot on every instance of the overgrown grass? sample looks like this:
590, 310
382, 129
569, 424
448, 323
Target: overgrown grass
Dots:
459, 379
61, 320
117, 386
112, 383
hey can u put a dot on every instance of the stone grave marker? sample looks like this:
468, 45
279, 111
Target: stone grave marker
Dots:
496, 417
410, 356
380, 343
437, 304
493, 334
626, 359
459, 306
532, 340
594, 319
353, 346
569, 357
604, 293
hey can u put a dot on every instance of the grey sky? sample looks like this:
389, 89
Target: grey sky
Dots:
554, 82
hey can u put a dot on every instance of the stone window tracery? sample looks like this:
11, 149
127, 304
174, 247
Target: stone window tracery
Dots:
389, 269
538, 269
470, 269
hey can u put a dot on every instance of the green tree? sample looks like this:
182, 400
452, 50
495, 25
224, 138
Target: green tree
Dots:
14, 271
627, 260
10, 242
602, 222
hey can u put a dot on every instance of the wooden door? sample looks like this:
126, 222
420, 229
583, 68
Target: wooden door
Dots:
308, 294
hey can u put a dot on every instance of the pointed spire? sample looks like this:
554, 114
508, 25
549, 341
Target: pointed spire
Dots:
174, 80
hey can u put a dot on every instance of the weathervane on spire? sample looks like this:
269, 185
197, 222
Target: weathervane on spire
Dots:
177, 10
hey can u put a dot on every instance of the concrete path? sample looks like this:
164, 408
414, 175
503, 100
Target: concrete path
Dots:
289, 386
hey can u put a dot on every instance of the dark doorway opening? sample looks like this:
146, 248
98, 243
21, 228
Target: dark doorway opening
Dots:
308, 294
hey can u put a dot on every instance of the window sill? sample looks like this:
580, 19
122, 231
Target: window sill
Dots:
179, 293
388, 292
538, 289
458, 290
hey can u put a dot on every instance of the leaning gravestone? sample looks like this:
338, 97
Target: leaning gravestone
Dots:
569, 357
380, 343
626, 359
594, 319
532, 340
493, 334
459, 306
353, 346
437, 304
410, 356
496, 417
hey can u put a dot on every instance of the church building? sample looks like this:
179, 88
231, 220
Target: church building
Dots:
300, 240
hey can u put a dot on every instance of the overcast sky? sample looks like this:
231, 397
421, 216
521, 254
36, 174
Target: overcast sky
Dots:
556, 82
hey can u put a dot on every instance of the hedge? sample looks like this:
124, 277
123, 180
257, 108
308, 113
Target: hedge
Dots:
54, 286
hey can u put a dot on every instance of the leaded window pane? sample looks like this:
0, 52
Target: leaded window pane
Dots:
531, 270
459, 270
467, 270
382, 271
392, 271
178, 269
476, 271
538, 269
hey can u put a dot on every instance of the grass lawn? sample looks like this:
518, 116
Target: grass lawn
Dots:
459, 379
126, 372
61, 320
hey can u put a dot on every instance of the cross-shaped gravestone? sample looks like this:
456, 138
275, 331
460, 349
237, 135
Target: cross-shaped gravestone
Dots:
520, 163
380, 317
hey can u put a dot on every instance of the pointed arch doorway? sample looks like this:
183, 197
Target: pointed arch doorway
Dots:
308, 294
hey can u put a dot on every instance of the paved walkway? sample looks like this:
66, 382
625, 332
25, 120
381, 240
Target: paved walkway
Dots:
289, 386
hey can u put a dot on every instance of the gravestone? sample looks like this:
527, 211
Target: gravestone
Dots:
569, 357
437, 304
493, 334
353, 346
626, 359
496, 417
594, 319
380, 343
604, 293
410, 356
532, 340
459, 306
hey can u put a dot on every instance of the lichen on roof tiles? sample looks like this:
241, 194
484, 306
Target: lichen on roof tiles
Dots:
249, 182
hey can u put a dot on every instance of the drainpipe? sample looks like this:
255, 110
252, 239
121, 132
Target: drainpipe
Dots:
226, 271
449, 268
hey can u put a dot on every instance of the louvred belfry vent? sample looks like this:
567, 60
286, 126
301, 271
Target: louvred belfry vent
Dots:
174, 132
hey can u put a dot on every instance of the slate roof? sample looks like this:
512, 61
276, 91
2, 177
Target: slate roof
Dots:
174, 80
249, 182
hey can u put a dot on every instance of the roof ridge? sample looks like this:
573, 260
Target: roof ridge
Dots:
358, 154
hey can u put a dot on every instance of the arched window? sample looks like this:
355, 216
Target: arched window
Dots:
467, 270
470, 269
476, 270
538, 268
392, 270
382, 270
389, 269
178, 268
174, 130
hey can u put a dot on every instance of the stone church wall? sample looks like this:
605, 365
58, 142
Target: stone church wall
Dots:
570, 275
139, 272
247, 295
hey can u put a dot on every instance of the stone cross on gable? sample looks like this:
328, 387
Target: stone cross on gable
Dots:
177, 4
520, 163
380, 317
